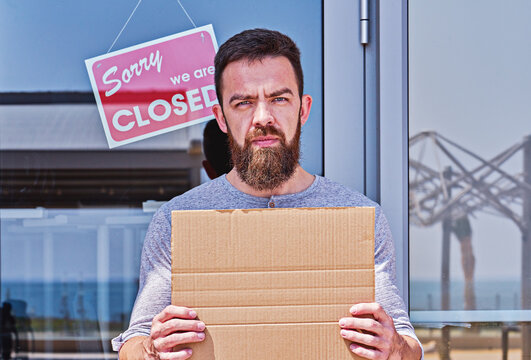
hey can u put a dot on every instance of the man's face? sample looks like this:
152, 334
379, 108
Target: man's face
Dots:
262, 114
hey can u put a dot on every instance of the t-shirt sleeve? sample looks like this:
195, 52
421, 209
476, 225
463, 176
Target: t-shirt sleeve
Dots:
154, 292
387, 294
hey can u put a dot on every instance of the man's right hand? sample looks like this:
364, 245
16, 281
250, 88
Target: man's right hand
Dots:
175, 325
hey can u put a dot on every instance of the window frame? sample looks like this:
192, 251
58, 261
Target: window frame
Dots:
376, 161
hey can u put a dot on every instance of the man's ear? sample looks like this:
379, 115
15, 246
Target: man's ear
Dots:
220, 119
306, 105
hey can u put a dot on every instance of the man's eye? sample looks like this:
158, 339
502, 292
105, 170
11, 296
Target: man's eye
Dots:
242, 103
280, 99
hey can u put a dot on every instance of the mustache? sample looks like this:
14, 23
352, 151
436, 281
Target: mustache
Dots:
264, 131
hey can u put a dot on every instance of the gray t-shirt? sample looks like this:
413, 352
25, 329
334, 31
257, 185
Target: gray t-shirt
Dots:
155, 268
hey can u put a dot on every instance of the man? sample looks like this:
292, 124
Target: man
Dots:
259, 85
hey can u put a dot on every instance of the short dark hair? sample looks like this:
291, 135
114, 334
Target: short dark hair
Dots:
257, 44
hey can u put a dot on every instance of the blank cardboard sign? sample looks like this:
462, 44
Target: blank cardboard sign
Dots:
272, 283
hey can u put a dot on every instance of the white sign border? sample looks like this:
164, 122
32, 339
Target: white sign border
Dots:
90, 62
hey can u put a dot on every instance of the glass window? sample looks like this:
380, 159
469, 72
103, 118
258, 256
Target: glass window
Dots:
74, 213
469, 184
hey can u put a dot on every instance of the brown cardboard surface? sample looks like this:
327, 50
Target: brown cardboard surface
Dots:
272, 283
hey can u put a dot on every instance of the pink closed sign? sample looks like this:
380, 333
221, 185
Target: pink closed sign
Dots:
155, 87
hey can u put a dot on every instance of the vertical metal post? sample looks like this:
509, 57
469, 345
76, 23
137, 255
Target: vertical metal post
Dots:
526, 251
102, 248
128, 272
445, 266
505, 342
48, 262
444, 348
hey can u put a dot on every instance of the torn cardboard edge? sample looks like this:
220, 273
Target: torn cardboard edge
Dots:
279, 273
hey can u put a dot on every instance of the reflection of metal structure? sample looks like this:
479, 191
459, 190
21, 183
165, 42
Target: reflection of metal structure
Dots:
467, 184
486, 187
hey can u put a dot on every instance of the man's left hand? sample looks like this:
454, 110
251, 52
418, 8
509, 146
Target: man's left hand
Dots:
373, 334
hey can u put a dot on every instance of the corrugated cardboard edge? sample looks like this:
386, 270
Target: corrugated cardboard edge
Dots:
271, 335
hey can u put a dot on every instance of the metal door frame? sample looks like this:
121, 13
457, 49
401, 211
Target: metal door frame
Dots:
369, 152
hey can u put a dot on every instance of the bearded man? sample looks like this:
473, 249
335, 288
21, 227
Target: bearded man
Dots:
259, 84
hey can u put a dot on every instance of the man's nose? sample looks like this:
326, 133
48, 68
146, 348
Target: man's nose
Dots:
262, 115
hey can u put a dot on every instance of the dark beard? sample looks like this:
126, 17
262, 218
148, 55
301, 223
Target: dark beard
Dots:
269, 167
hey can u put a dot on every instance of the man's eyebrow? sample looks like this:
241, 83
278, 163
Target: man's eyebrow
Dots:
250, 97
280, 92
240, 97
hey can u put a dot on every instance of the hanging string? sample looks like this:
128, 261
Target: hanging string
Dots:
132, 13
186, 12
127, 22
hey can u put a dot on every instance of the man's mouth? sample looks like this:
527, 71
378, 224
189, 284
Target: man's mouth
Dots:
264, 141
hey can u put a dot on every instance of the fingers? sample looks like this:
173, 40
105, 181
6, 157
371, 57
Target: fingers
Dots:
177, 355
361, 338
175, 325
175, 318
367, 346
172, 311
151, 350
370, 330
364, 324
373, 309
167, 343
170, 326
363, 352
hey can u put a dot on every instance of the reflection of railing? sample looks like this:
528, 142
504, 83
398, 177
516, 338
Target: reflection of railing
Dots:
460, 316
73, 310
465, 185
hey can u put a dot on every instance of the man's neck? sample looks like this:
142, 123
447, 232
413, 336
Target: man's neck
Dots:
299, 181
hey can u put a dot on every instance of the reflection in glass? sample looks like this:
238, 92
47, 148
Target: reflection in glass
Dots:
469, 178
69, 269
448, 185
69, 276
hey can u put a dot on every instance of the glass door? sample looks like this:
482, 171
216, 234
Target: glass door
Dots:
469, 177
